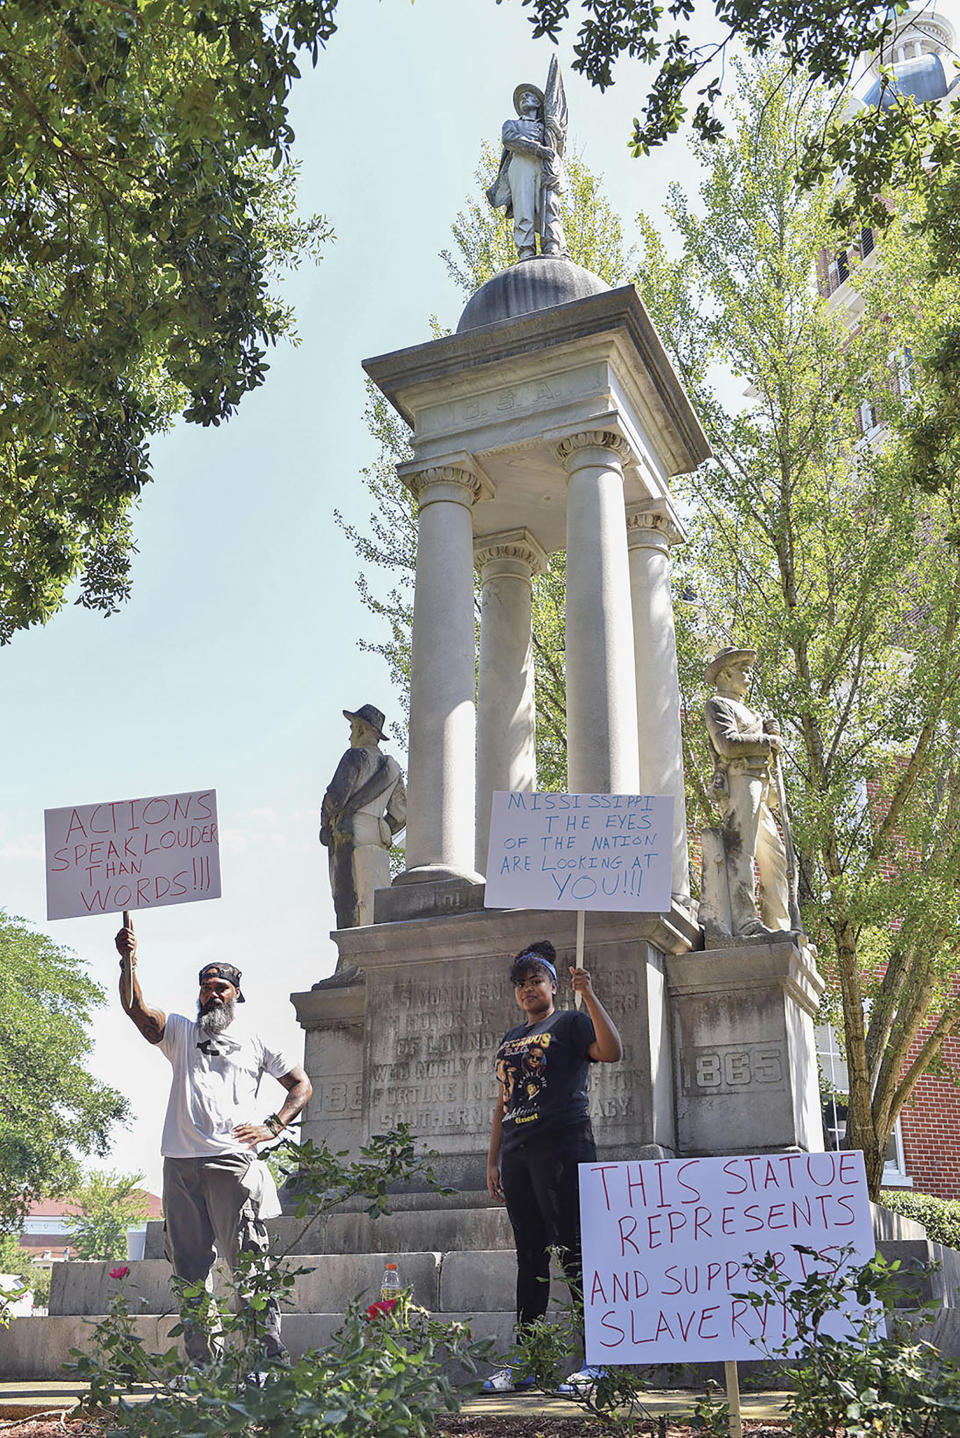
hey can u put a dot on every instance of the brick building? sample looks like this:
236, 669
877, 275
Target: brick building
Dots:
46, 1238
924, 1149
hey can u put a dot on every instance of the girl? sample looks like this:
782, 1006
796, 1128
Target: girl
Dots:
541, 1130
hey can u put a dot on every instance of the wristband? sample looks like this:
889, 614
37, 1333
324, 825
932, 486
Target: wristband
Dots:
275, 1124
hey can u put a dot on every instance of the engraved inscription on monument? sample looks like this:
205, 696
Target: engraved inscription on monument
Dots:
431, 1052
431, 1055
731, 1068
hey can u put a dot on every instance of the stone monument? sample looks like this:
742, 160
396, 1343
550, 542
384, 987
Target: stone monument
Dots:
552, 420
364, 807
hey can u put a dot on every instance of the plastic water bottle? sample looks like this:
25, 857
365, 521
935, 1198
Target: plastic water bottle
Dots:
390, 1283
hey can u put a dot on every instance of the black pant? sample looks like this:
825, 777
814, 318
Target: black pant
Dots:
205, 1203
542, 1193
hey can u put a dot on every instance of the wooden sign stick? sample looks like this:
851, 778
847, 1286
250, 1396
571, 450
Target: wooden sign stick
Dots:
127, 965
732, 1379
578, 960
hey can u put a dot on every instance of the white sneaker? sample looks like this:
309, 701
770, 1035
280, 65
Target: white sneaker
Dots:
583, 1380
186, 1381
503, 1381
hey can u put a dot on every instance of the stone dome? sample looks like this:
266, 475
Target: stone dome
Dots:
922, 78
528, 286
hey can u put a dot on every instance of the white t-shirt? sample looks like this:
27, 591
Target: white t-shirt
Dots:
214, 1087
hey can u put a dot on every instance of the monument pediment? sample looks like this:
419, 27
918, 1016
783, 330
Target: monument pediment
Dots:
507, 386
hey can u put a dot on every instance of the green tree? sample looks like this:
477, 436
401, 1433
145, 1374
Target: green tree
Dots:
146, 203
812, 544
819, 44
52, 1112
108, 1203
482, 247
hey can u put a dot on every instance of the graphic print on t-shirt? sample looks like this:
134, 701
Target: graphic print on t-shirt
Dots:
217, 1046
542, 1070
522, 1070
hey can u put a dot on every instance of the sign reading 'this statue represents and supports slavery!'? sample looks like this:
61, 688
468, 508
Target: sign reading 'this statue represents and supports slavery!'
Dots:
667, 1245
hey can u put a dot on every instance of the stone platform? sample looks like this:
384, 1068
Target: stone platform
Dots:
475, 1286
408, 1028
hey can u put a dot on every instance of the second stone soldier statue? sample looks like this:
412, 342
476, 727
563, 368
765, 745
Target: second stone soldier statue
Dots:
364, 807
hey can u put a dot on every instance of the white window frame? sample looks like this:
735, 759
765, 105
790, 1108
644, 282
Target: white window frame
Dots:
869, 418
834, 1069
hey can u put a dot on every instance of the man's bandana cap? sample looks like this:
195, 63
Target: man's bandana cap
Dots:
224, 971
539, 959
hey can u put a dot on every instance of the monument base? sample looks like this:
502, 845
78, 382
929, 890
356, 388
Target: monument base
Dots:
745, 1065
426, 898
408, 1028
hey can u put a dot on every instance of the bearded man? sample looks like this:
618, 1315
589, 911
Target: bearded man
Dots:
216, 1192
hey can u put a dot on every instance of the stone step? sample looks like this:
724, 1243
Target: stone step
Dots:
411, 1227
39, 1349
419, 1222
444, 1282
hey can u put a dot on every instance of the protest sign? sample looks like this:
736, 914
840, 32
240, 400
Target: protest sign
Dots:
580, 851
667, 1243
132, 854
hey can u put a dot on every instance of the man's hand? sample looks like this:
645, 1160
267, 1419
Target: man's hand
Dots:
251, 1134
126, 942
494, 1186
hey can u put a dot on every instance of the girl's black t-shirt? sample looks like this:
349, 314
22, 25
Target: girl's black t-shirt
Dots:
543, 1070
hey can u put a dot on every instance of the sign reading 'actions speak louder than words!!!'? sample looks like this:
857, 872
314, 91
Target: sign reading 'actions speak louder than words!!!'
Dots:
132, 854
667, 1244
580, 851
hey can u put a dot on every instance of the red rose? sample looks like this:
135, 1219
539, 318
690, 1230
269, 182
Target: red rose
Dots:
382, 1306
121, 1272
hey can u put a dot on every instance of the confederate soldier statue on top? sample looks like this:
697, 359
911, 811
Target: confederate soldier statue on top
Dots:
532, 174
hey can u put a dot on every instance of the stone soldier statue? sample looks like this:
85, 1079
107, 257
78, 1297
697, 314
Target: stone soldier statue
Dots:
364, 807
532, 174
744, 750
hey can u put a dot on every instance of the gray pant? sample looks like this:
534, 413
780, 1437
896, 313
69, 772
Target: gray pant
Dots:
204, 1204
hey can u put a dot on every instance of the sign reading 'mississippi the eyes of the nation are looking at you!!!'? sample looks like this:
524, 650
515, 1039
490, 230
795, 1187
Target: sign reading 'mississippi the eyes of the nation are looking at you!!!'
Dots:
607, 852
132, 854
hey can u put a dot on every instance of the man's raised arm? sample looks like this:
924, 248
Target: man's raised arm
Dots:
150, 1022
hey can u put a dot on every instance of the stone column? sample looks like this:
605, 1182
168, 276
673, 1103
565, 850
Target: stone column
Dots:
506, 704
440, 791
601, 693
652, 528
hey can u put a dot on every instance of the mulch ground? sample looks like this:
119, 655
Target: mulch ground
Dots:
467, 1425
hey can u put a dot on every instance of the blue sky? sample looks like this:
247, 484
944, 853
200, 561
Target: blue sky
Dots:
231, 664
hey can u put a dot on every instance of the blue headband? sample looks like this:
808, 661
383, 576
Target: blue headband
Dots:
539, 959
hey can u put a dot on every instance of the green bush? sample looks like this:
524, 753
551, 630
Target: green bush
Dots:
386, 1376
939, 1216
383, 1373
861, 1384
